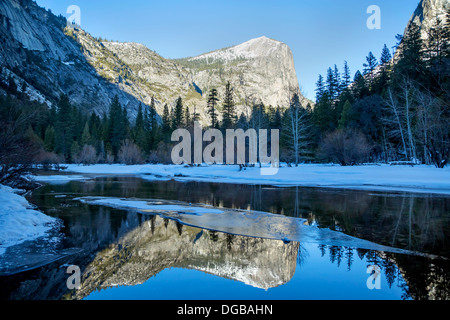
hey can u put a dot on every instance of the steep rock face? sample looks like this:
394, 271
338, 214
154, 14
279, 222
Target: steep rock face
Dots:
260, 71
426, 13
38, 49
35, 50
425, 17
158, 244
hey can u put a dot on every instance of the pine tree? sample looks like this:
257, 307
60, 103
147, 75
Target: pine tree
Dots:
359, 89
385, 56
229, 111
371, 63
64, 127
74, 150
346, 78
411, 63
322, 115
178, 115
382, 79
320, 88
187, 118
346, 115
86, 136
49, 139
212, 104
117, 125
277, 119
152, 126
242, 122
166, 124
437, 49
195, 115
331, 84
139, 132
337, 81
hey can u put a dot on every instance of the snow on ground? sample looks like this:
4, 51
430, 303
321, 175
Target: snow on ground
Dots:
421, 178
18, 222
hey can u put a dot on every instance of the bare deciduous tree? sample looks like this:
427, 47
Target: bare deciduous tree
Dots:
346, 147
130, 153
87, 156
297, 128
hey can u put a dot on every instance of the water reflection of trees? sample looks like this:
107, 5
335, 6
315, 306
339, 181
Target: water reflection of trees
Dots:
411, 221
419, 278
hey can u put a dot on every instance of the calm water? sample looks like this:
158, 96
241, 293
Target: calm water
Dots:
128, 255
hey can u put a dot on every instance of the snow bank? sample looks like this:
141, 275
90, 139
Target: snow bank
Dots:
421, 178
18, 222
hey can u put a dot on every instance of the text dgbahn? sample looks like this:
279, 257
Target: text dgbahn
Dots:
235, 147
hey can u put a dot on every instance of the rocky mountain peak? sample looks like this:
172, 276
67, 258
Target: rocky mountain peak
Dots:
258, 47
55, 59
426, 14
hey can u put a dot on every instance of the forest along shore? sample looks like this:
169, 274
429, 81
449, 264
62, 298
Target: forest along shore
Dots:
422, 178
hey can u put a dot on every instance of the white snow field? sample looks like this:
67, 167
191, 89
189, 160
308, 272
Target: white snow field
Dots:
421, 178
18, 221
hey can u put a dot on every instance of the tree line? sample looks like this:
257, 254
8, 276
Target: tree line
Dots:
396, 109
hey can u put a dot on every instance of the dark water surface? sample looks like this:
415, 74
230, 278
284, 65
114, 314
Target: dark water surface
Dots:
128, 255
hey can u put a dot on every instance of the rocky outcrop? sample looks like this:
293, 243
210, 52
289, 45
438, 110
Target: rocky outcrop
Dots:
51, 58
426, 14
158, 244
260, 70
36, 51
425, 17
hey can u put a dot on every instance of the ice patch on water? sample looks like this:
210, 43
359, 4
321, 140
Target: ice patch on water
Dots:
243, 222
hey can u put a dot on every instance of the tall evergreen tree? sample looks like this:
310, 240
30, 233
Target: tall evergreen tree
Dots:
411, 52
178, 115
187, 118
166, 123
153, 129
242, 122
346, 78
371, 63
277, 119
360, 88
117, 125
139, 131
86, 136
212, 107
195, 115
64, 127
382, 79
337, 81
385, 55
229, 110
331, 84
49, 138
320, 88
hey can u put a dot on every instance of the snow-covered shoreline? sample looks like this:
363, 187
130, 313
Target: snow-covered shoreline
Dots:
18, 221
424, 179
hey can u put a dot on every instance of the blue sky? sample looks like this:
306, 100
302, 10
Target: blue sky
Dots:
320, 33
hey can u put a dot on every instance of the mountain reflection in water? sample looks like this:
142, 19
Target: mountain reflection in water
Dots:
122, 248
